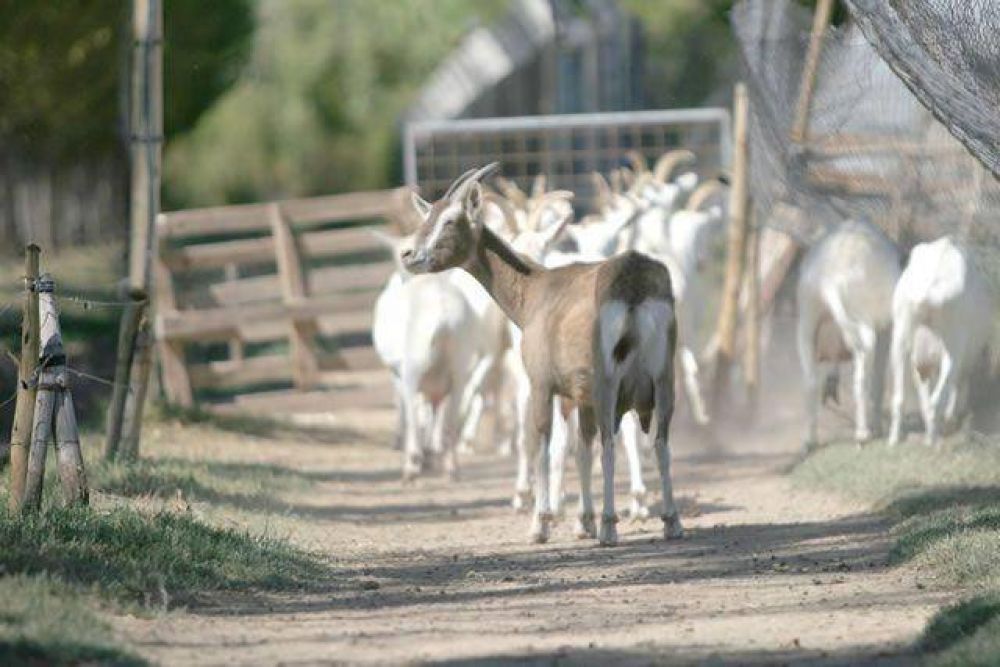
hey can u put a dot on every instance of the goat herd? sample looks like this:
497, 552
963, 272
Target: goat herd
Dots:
565, 331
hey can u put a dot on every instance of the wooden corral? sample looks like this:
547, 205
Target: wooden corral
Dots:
260, 288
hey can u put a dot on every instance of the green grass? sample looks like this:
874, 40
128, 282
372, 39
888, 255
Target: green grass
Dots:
162, 560
46, 622
215, 482
946, 510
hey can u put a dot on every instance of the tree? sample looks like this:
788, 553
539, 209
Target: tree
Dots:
316, 109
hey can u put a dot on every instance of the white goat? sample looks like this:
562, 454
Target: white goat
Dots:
942, 312
845, 294
440, 336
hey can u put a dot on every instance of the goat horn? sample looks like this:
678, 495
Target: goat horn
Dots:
628, 177
668, 163
558, 230
509, 219
457, 183
602, 189
702, 194
638, 161
639, 182
477, 175
541, 204
538, 186
616, 180
512, 192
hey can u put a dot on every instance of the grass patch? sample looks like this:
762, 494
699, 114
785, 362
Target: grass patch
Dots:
164, 559
966, 634
879, 475
946, 508
45, 622
216, 482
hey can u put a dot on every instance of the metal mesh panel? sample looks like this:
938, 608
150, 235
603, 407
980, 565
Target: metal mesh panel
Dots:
872, 149
566, 148
948, 54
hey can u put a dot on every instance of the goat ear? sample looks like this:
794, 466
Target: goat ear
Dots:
472, 203
421, 206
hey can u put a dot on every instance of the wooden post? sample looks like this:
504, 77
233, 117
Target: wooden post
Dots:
54, 413
138, 384
301, 334
803, 107
123, 370
751, 361
738, 205
176, 380
24, 412
146, 145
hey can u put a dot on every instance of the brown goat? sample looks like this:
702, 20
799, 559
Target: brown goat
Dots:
601, 335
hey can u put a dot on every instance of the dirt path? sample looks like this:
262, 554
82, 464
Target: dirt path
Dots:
443, 572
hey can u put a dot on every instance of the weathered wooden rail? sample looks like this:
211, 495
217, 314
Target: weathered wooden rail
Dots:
272, 283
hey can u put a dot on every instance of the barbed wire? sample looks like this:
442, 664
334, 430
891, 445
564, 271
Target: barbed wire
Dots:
94, 378
89, 303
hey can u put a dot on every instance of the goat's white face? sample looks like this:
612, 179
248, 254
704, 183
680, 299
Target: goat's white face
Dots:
448, 234
450, 228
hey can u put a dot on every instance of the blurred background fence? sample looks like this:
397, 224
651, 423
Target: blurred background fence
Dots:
565, 148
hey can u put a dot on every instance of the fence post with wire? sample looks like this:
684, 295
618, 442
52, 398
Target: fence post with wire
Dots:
55, 416
24, 410
128, 331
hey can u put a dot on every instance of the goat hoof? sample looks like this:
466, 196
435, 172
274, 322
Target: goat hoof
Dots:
638, 510
521, 501
586, 526
411, 470
672, 528
540, 526
608, 535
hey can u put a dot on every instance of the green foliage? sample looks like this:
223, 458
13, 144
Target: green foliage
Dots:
165, 558
317, 109
689, 49
204, 50
60, 69
64, 69
46, 622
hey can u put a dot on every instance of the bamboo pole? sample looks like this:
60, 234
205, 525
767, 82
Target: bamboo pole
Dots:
147, 142
803, 107
54, 415
123, 370
738, 208
25, 410
751, 361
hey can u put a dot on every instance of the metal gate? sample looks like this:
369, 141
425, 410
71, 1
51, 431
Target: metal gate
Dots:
566, 148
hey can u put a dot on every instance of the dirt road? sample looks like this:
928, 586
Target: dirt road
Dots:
442, 572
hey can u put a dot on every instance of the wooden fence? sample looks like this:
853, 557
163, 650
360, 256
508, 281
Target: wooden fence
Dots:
274, 297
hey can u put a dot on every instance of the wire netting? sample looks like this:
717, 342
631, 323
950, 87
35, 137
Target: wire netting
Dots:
874, 149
